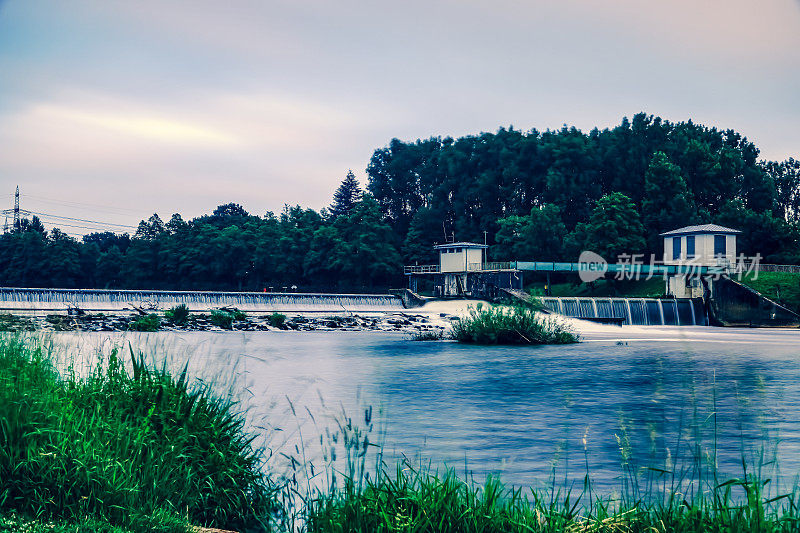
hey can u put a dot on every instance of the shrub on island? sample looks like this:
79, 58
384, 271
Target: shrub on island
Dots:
149, 322
277, 320
178, 315
510, 325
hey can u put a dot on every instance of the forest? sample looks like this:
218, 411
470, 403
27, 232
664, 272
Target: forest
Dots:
532, 195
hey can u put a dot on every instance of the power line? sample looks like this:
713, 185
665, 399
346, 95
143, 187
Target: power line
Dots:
59, 224
82, 220
58, 221
107, 208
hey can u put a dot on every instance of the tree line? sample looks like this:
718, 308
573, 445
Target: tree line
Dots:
532, 195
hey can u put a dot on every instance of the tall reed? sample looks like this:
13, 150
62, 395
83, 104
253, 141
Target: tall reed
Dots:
135, 446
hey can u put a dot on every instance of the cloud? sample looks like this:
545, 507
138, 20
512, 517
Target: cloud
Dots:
153, 128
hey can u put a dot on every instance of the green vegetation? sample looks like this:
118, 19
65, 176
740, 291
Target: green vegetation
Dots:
428, 335
138, 449
178, 315
538, 195
413, 500
149, 322
643, 288
16, 524
781, 287
277, 320
222, 319
510, 325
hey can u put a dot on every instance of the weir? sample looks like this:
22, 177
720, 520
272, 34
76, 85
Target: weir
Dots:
633, 311
97, 300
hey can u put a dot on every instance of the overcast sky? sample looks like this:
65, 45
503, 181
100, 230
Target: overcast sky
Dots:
113, 110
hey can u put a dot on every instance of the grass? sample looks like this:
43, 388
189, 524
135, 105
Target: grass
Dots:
277, 320
178, 315
429, 335
510, 325
17, 524
225, 319
149, 322
652, 288
415, 500
781, 287
129, 445
222, 319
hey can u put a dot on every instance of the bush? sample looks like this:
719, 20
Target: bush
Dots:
223, 319
140, 449
277, 320
149, 322
510, 325
178, 315
428, 335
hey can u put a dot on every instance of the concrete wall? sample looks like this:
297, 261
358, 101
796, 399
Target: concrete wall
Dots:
733, 304
680, 287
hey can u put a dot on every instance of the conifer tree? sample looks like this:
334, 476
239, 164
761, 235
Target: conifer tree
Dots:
346, 196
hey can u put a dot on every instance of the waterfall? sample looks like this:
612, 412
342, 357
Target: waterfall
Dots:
95, 300
636, 311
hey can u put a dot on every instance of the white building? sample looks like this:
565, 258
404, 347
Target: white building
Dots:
461, 256
455, 260
707, 245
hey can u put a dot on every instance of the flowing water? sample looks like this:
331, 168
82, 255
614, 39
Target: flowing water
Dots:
521, 412
97, 300
636, 311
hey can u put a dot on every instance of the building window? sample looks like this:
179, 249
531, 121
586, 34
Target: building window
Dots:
676, 247
458, 250
719, 245
690, 247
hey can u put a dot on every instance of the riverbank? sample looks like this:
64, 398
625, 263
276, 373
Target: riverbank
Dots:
97, 322
432, 317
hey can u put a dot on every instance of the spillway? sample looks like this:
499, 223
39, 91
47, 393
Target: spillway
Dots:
636, 311
97, 300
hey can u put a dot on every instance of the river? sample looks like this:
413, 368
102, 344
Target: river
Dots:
639, 395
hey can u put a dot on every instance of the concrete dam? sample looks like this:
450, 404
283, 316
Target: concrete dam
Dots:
632, 311
97, 300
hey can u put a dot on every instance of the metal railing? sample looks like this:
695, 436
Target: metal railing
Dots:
421, 269
506, 265
471, 267
760, 267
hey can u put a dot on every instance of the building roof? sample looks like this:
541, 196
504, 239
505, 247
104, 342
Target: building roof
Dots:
704, 228
459, 245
